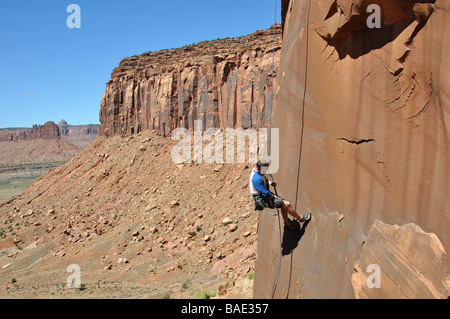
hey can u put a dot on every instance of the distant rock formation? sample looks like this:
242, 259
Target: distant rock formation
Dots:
224, 83
48, 131
80, 135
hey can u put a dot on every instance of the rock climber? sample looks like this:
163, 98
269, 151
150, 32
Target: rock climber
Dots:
259, 185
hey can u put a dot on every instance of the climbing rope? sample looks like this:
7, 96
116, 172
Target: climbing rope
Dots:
272, 100
304, 102
277, 274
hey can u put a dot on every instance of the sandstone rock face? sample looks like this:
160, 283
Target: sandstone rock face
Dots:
413, 263
342, 17
224, 83
364, 117
48, 131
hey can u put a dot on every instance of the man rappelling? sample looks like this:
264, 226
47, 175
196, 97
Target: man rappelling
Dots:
259, 185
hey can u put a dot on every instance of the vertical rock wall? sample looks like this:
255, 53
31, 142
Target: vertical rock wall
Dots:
364, 119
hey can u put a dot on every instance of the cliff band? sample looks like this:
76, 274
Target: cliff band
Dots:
224, 83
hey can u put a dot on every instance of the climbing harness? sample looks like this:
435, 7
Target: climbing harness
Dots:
277, 274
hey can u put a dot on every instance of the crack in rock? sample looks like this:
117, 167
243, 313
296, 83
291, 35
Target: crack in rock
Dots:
357, 142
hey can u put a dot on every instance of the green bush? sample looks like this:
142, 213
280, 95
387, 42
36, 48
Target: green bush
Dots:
205, 294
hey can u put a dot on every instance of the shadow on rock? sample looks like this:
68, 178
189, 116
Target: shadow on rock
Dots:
291, 237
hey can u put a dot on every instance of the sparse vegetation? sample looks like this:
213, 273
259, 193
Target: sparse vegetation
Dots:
205, 294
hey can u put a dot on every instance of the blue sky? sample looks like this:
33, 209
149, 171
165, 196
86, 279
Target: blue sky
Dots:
50, 72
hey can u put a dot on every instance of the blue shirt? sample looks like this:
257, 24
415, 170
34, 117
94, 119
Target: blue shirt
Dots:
257, 185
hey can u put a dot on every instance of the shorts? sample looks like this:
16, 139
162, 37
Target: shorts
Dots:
261, 202
275, 203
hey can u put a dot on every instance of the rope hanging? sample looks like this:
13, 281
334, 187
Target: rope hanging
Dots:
277, 274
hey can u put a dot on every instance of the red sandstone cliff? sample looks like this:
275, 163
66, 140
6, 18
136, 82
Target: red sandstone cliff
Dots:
364, 120
48, 131
225, 83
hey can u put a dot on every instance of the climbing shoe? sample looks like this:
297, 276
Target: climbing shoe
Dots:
306, 217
